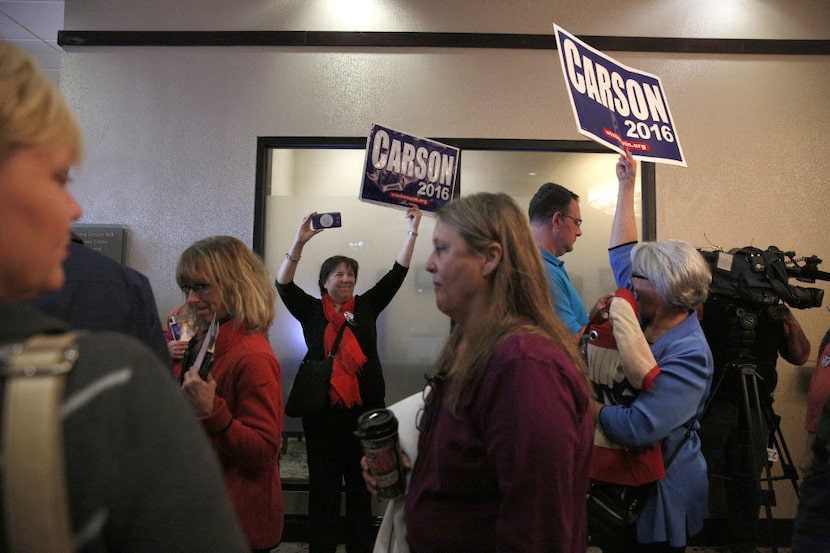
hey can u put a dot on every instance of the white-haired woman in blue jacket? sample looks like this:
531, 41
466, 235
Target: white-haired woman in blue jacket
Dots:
670, 280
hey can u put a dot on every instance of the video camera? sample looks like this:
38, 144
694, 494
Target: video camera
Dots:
762, 276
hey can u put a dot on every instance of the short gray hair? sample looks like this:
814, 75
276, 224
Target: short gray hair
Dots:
678, 271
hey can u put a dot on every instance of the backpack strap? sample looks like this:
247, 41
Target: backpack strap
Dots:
36, 503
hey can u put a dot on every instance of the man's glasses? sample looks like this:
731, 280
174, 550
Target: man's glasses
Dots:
577, 222
423, 418
197, 287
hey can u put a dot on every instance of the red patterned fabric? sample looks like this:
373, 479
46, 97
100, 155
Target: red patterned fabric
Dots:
611, 462
349, 358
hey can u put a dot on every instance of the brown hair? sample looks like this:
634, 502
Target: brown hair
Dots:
518, 287
330, 265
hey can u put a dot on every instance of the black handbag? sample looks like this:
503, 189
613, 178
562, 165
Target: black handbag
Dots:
310, 391
614, 508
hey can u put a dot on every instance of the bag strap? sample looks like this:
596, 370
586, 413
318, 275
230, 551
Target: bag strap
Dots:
683, 441
337, 340
35, 497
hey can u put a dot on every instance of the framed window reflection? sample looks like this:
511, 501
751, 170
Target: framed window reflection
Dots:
298, 175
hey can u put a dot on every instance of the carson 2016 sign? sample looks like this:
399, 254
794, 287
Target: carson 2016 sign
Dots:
402, 169
616, 105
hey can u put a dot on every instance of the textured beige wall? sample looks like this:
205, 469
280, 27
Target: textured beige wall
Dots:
172, 131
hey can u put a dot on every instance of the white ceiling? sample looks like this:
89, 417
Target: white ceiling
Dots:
33, 26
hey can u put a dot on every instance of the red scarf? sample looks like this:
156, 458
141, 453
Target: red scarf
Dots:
348, 360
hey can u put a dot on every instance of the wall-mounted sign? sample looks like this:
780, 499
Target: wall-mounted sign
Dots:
110, 240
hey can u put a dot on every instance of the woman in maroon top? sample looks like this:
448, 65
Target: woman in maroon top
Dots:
506, 431
240, 403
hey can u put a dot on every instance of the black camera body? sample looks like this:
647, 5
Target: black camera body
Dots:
761, 277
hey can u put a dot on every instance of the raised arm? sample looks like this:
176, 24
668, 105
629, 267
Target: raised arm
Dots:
414, 216
292, 256
624, 227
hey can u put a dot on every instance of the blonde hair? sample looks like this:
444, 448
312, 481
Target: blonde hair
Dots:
518, 287
32, 110
236, 274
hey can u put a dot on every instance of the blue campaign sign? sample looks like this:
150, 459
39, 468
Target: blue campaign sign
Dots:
616, 105
401, 169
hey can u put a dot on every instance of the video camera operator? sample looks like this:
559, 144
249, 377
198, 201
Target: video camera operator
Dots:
744, 335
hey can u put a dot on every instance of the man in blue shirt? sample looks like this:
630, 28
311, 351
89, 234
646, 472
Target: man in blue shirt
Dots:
555, 222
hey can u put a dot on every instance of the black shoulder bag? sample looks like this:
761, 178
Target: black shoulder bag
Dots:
310, 390
614, 508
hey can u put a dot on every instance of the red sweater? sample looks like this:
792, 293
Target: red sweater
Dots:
245, 429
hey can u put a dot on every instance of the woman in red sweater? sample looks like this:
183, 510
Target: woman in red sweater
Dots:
239, 402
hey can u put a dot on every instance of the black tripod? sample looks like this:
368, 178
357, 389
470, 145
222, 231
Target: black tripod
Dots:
741, 333
777, 449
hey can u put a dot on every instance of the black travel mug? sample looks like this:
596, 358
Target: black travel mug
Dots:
378, 434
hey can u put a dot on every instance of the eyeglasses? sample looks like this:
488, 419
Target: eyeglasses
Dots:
638, 275
577, 222
197, 287
423, 418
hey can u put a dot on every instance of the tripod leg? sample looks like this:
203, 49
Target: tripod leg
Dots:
768, 493
776, 438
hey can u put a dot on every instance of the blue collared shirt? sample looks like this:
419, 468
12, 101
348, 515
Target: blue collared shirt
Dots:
566, 300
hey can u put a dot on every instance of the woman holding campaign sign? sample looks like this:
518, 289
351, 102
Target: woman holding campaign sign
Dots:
664, 353
356, 384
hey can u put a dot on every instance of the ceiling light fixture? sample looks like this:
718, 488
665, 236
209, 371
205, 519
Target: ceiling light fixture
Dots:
603, 197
